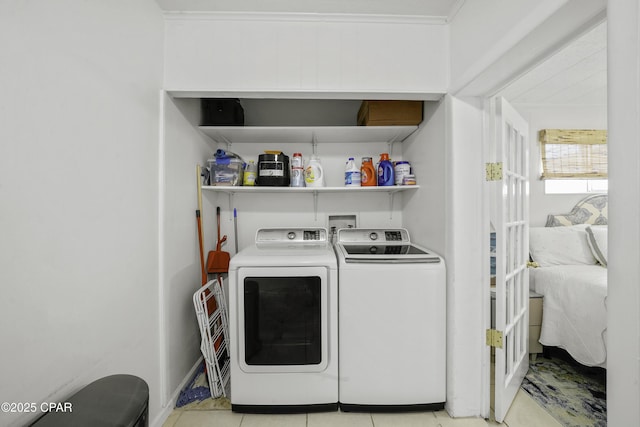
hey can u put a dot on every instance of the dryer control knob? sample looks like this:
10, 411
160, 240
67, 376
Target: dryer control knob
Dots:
373, 236
291, 235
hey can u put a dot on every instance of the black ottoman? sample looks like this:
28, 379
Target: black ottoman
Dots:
113, 401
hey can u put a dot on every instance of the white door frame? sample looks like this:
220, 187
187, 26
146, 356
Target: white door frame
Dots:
623, 299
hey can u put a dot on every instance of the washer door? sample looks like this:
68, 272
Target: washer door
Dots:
282, 319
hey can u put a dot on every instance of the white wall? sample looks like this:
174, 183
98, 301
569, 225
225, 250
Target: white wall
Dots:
79, 196
183, 147
466, 241
425, 212
554, 117
623, 300
305, 53
447, 216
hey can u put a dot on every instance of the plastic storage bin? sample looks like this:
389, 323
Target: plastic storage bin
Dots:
225, 171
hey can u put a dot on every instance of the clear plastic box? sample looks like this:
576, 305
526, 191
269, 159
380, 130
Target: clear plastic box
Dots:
225, 171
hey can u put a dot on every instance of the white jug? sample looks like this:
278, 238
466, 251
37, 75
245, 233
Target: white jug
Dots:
313, 173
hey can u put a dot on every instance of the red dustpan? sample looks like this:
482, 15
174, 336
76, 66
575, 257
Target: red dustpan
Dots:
218, 260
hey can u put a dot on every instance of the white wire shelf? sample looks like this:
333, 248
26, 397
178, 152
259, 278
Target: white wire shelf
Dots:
267, 190
304, 134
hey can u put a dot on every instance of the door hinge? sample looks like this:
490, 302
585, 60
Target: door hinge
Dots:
493, 171
494, 338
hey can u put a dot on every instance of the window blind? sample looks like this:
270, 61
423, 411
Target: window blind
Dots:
573, 153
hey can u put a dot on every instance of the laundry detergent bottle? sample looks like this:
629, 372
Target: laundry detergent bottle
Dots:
386, 175
313, 173
368, 176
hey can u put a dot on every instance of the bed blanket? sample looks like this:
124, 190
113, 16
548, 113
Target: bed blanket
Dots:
574, 315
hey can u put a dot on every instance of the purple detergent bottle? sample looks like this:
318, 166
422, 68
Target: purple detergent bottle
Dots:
386, 175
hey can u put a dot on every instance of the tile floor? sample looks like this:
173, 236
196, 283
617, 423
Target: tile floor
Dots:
524, 412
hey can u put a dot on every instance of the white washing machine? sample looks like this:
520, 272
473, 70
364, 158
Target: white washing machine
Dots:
392, 344
283, 321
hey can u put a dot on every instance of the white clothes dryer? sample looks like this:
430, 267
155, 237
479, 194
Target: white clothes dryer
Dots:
392, 344
283, 321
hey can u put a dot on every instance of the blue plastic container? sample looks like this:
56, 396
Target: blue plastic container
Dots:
386, 174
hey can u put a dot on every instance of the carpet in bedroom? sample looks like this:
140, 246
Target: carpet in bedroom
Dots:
573, 394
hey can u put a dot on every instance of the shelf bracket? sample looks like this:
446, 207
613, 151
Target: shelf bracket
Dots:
226, 141
391, 196
315, 205
231, 196
390, 145
314, 144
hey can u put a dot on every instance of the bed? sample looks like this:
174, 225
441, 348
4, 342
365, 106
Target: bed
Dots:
570, 253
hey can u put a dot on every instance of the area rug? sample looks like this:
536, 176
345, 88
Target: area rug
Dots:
573, 394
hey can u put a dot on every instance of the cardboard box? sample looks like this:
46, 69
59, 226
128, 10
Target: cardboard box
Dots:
390, 113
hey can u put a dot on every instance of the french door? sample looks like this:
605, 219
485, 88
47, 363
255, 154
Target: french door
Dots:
510, 218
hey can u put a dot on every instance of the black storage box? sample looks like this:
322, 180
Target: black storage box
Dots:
221, 112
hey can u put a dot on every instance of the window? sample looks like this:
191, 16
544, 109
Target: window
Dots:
574, 160
575, 186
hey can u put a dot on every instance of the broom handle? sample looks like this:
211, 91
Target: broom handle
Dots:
202, 268
235, 227
203, 271
199, 183
219, 242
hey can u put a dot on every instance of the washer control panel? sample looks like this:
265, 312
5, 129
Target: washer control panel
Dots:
393, 236
368, 235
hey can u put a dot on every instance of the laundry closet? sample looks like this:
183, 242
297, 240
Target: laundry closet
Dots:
299, 94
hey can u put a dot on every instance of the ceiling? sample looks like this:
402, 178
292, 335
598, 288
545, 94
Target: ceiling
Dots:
575, 75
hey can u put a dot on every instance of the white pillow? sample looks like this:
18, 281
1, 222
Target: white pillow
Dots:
597, 238
564, 245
